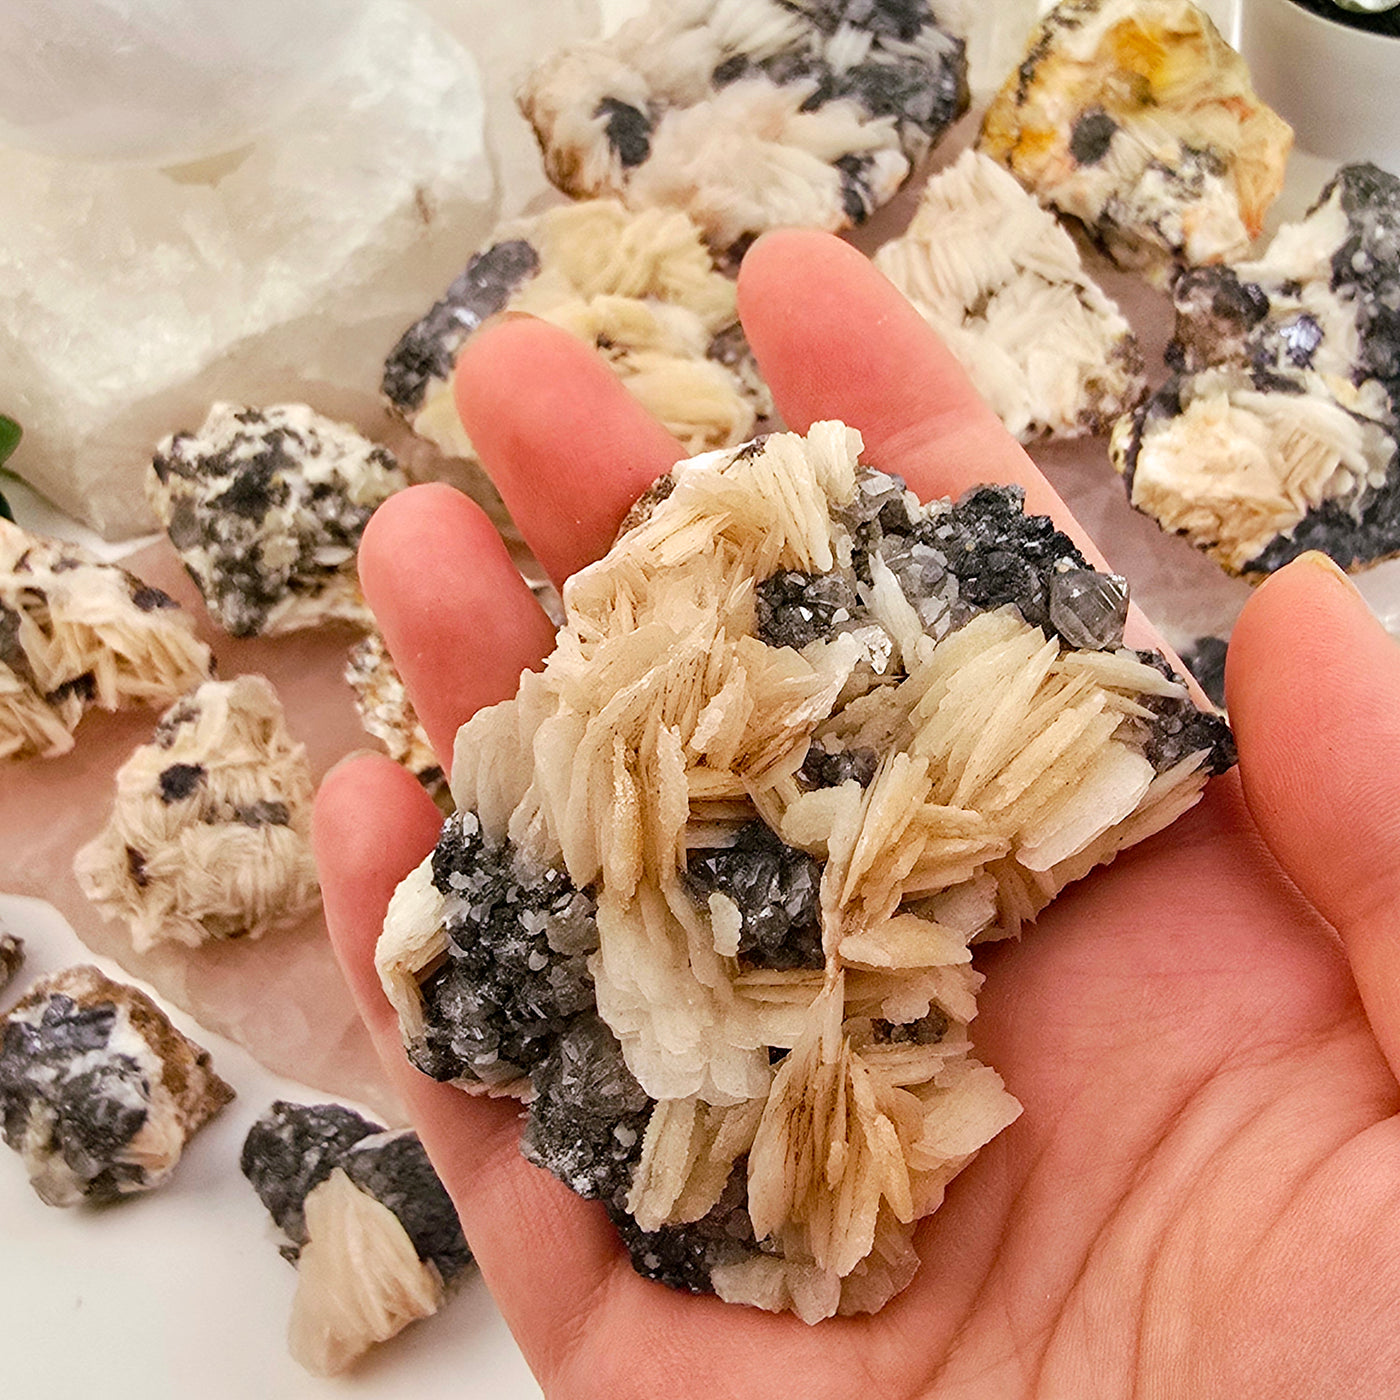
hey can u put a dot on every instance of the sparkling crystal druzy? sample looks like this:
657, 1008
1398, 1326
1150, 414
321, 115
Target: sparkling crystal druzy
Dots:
1137, 118
753, 114
1280, 430
708, 899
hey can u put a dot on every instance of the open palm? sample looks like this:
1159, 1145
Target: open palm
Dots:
1202, 1197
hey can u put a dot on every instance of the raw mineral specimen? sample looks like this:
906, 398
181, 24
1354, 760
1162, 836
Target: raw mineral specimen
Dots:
1137, 118
640, 287
1004, 286
708, 898
387, 713
210, 833
11, 958
1278, 432
75, 632
266, 506
373, 1233
753, 114
98, 1091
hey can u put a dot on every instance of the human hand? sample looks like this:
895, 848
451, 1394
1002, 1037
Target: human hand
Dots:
1201, 1196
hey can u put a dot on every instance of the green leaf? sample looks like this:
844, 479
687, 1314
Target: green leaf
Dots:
10, 434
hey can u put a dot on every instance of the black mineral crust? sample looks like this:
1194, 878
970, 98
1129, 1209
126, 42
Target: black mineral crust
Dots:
293, 1148
61, 1082
517, 974
777, 891
426, 351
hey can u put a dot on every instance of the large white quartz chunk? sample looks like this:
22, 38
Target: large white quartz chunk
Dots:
132, 298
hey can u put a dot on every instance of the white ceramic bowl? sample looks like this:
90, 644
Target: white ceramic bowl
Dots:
1336, 85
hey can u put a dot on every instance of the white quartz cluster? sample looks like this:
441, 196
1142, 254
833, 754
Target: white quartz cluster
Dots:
132, 298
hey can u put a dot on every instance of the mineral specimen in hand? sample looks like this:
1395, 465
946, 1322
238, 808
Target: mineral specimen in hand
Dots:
710, 892
753, 115
1279, 431
11, 957
266, 506
1137, 118
640, 287
99, 1093
1004, 286
75, 632
381, 698
210, 833
373, 1233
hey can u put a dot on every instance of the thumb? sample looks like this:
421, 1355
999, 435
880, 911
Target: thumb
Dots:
1313, 683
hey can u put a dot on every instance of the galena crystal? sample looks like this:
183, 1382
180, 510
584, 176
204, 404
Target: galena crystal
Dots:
1138, 119
753, 115
1280, 430
373, 1232
99, 1093
709, 897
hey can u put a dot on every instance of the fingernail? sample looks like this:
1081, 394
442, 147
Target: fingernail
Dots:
354, 756
1324, 563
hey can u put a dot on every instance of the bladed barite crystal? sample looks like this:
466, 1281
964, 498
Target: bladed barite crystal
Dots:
709, 898
369, 1224
752, 115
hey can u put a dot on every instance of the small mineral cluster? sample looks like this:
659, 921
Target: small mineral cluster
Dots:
381, 698
708, 900
209, 836
753, 114
266, 506
1137, 118
99, 1093
77, 633
641, 288
372, 1231
1004, 286
1278, 431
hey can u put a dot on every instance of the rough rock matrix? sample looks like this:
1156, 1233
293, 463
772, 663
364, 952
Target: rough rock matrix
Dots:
1005, 288
265, 506
709, 897
373, 1233
753, 114
11, 958
99, 1093
209, 835
74, 633
1278, 431
641, 288
1137, 118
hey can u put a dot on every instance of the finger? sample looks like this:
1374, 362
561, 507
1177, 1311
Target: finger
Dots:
459, 621
1313, 683
373, 824
568, 447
